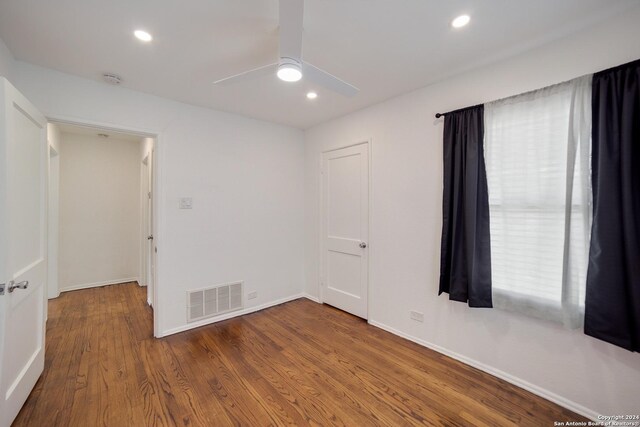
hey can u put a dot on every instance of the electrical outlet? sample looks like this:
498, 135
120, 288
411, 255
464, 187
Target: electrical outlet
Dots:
252, 295
417, 316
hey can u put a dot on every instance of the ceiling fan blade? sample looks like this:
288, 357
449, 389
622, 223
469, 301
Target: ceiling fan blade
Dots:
291, 16
328, 81
248, 75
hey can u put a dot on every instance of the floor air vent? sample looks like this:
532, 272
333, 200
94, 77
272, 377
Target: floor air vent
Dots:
211, 302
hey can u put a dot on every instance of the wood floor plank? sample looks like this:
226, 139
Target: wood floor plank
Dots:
298, 363
370, 360
359, 395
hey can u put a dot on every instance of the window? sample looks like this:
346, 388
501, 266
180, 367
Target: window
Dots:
537, 153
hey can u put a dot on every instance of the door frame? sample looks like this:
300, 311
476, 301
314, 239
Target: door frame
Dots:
144, 221
158, 223
321, 259
53, 203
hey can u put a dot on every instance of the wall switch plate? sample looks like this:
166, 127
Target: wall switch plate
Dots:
417, 316
252, 295
186, 203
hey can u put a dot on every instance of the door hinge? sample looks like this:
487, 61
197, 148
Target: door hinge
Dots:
149, 194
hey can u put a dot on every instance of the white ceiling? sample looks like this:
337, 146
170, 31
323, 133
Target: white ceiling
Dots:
384, 47
90, 131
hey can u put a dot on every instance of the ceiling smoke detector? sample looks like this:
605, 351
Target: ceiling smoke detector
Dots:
112, 79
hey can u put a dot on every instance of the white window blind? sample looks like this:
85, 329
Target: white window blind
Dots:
537, 153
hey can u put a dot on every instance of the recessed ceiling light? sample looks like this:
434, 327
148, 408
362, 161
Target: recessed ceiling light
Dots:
312, 95
460, 21
289, 71
143, 35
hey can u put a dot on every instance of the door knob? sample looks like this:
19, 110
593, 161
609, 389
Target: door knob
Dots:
150, 237
21, 285
363, 245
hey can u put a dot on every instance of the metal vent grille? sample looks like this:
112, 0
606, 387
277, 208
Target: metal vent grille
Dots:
213, 301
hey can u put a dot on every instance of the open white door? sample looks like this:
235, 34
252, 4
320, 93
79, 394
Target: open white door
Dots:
151, 260
345, 228
23, 264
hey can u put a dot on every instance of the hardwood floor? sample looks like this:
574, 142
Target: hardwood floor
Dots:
299, 363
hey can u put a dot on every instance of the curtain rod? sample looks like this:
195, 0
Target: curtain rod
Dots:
438, 115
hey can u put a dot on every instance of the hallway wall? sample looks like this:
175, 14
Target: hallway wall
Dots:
99, 211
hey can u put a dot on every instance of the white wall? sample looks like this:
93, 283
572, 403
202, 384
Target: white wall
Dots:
99, 211
245, 177
586, 374
6, 61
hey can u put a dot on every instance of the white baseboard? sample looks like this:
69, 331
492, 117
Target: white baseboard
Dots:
544, 393
311, 297
98, 284
231, 315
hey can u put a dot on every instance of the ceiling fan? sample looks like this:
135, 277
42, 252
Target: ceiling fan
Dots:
290, 66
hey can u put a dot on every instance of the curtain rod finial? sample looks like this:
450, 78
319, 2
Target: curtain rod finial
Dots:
438, 115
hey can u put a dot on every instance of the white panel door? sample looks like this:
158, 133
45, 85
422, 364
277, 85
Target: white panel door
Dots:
345, 228
23, 267
151, 261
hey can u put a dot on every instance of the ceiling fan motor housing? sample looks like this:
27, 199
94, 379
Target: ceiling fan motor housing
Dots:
284, 61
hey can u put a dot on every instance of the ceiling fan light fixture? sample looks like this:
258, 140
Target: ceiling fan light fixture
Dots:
289, 70
290, 66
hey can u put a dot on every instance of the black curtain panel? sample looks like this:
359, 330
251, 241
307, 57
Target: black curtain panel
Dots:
612, 307
465, 260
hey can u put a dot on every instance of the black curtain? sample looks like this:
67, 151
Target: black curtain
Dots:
465, 259
612, 307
